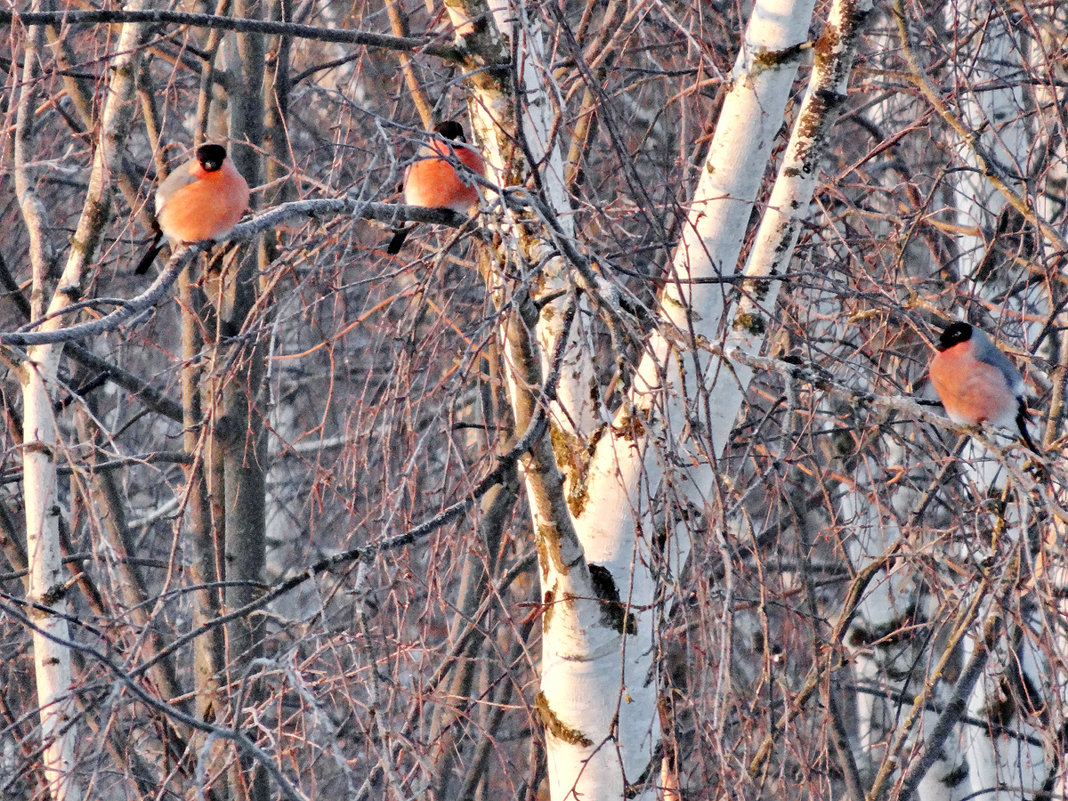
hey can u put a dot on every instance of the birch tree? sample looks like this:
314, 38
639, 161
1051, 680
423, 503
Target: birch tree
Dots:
53, 290
598, 697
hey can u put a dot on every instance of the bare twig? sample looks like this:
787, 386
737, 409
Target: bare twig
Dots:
314, 209
992, 171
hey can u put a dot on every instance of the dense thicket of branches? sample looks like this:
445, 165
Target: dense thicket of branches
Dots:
396, 666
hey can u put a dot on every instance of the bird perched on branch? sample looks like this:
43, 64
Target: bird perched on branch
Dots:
977, 383
432, 180
202, 199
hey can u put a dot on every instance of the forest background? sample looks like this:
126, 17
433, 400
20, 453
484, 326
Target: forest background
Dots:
633, 486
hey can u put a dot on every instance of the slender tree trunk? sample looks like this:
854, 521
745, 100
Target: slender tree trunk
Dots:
52, 662
38, 379
239, 431
204, 539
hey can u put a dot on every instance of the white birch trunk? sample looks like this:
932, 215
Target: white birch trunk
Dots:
38, 380
595, 688
599, 690
573, 410
527, 344
51, 656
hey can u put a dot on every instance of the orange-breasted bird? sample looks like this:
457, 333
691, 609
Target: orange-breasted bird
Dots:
977, 383
202, 199
434, 183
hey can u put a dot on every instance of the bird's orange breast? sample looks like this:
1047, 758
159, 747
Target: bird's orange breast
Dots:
206, 208
432, 182
972, 391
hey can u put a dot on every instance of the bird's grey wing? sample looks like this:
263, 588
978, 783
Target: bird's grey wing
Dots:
989, 353
175, 181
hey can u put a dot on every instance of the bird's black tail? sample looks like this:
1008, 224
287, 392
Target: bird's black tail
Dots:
150, 256
1021, 422
397, 242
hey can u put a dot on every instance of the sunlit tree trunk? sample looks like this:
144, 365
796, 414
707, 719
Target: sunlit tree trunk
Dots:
38, 376
600, 571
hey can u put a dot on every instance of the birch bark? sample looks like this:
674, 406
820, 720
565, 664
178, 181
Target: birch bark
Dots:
38, 380
599, 574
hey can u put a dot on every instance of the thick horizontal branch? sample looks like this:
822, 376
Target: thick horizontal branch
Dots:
237, 24
142, 304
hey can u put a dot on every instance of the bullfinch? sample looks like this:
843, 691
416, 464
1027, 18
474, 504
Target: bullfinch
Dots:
976, 382
202, 199
432, 182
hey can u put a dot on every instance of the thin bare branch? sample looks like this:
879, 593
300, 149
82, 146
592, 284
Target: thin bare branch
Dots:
236, 24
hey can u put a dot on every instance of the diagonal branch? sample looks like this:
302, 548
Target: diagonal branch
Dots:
140, 305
